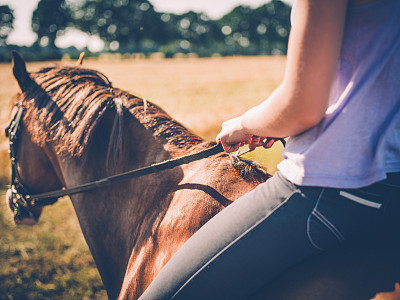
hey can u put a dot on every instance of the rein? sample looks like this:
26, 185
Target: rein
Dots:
22, 198
154, 168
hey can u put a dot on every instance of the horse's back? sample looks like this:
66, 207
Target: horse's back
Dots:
356, 272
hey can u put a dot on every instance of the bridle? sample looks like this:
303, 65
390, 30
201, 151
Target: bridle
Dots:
22, 200
17, 191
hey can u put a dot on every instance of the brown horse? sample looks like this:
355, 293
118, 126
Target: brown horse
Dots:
76, 128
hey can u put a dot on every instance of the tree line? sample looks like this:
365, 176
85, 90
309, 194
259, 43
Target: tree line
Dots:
134, 26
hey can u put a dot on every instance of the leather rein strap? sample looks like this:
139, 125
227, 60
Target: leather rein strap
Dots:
25, 199
154, 168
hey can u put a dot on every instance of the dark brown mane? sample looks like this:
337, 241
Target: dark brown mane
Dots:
250, 170
66, 104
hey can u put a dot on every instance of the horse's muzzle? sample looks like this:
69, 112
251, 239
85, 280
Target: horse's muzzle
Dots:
22, 216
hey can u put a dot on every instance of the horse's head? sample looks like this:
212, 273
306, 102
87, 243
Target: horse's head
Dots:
31, 168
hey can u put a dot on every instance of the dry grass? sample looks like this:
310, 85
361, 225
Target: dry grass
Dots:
200, 93
51, 260
48, 261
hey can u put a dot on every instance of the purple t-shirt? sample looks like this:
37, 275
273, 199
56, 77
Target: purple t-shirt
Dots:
358, 140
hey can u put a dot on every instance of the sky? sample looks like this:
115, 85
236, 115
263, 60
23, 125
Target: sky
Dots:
23, 35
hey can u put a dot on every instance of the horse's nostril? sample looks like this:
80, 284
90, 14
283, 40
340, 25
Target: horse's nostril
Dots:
22, 216
25, 220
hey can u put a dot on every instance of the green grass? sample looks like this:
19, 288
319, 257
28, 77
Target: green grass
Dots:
46, 261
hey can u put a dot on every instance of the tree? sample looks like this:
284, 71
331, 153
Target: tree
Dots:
261, 30
49, 20
127, 25
190, 32
6, 23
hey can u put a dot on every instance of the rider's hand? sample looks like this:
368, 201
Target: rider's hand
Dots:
261, 141
233, 135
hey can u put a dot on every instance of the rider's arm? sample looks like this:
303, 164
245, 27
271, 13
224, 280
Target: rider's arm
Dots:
301, 100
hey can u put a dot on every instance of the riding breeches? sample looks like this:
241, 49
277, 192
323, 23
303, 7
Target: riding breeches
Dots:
268, 230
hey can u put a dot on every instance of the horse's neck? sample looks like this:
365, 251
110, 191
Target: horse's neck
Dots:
116, 219
111, 218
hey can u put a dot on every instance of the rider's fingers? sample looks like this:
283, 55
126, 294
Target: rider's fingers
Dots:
269, 143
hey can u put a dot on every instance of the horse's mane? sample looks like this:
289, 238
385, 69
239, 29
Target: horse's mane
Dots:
65, 105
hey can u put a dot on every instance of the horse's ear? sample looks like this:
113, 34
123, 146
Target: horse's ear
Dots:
20, 72
80, 59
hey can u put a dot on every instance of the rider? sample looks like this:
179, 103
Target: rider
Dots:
339, 103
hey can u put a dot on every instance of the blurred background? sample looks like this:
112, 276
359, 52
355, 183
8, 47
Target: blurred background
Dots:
202, 61
51, 29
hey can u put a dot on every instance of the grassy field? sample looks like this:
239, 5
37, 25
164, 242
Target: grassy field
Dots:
51, 260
